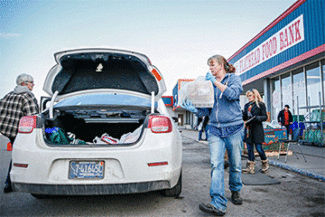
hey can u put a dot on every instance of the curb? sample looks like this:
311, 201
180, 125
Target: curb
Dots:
300, 171
285, 166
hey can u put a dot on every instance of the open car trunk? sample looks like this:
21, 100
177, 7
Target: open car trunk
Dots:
100, 126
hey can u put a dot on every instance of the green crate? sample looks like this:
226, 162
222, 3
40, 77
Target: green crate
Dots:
295, 118
317, 115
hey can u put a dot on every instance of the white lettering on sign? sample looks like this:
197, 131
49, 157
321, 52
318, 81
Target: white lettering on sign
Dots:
290, 35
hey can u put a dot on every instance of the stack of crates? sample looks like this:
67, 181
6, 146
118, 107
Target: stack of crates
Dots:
316, 135
295, 118
317, 115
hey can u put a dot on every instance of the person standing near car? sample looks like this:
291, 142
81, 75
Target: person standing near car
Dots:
199, 127
285, 118
204, 128
254, 114
225, 130
13, 106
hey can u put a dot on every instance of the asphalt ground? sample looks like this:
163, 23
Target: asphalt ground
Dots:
294, 195
315, 157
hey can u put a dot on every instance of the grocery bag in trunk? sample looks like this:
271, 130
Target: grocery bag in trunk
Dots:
57, 135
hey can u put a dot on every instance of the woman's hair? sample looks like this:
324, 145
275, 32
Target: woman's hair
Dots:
229, 68
257, 96
24, 78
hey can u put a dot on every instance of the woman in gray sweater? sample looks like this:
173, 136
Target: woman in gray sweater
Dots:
225, 129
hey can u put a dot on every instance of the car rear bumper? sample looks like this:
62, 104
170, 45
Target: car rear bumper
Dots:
91, 189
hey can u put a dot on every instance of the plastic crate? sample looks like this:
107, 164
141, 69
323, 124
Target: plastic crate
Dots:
295, 118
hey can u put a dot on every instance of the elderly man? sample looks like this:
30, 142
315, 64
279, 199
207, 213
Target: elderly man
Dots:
16, 104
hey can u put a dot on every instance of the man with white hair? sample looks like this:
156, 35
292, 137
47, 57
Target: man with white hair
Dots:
13, 106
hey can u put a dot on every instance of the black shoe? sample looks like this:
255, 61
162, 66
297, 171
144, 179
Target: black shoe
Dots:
7, 189
211, 209
226, 164
236, 199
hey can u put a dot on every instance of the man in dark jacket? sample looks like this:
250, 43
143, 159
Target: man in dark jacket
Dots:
285, 118
16, 104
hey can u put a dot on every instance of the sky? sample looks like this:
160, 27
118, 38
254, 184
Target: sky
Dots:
178, 36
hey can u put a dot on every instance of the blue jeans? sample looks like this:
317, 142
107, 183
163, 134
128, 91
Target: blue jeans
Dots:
218, 146
259, 149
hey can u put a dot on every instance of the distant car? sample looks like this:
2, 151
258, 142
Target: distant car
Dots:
105, 130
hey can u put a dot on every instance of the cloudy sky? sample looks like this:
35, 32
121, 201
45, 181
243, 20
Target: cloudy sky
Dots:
177, 35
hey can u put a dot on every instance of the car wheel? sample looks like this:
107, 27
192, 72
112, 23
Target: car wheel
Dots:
174, 191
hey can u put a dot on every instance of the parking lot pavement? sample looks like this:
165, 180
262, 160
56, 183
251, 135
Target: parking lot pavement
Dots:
295, 195
315, 156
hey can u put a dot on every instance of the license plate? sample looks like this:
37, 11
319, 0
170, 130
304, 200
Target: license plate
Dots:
86, 170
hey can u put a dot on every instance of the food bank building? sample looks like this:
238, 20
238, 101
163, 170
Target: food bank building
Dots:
285, 62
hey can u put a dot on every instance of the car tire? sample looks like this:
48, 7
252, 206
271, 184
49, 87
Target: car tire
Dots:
174, 191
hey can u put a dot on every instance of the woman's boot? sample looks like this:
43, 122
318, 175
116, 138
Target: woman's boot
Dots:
250, 167
265, 166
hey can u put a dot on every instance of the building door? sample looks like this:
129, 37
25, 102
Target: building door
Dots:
180, 119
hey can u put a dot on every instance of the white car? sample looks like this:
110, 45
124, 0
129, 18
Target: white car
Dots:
105, 130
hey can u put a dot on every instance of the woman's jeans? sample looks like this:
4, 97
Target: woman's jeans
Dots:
218, 146
259, 149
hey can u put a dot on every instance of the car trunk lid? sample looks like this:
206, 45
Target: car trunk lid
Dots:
100, 69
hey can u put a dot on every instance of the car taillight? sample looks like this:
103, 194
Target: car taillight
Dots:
27, 124
160, 124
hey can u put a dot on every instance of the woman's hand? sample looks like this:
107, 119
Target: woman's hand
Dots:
210, 77
189, 106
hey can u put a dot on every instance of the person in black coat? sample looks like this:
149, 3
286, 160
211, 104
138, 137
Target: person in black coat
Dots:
254, 114
285, 118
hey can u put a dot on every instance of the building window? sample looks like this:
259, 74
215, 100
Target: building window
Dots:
313, 83
287, 90
299, 90
276, 98
323, 69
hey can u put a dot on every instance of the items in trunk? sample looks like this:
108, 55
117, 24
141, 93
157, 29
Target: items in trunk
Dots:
57, 135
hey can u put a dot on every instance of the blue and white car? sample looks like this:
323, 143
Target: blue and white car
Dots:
98, 95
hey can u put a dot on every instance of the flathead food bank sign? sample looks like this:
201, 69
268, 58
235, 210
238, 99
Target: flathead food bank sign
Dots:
290, 35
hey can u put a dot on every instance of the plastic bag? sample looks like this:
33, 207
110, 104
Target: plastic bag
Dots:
200, 92
108, 139
76, 141
131, 137
98, 140
200, 126
58, 136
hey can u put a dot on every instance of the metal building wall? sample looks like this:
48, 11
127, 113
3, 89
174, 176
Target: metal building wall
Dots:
314, 36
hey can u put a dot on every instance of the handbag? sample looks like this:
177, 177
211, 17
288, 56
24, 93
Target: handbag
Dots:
200, 126
247, 137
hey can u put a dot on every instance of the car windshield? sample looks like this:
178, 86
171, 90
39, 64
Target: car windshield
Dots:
105, 99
